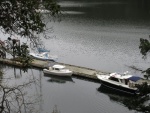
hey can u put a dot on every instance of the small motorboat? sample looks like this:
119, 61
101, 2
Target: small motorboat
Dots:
44, 56
122, 82
59, 70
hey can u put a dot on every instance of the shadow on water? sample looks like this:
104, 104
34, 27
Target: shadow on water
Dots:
86, 78
112, 92
58, 79
117, 96
132, 102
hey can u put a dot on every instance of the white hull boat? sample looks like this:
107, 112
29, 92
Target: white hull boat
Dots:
122, 82
43, 56
58, 70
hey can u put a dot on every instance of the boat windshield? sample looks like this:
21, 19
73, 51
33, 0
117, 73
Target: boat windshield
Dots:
124, 81
56, 68
114, 79
59, 66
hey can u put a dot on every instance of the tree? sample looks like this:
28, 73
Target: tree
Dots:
13, 99
144, 89
22, 17
145, 49
23, 55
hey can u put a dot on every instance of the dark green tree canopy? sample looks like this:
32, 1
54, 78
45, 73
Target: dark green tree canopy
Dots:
144, 46
21, 17
145, 49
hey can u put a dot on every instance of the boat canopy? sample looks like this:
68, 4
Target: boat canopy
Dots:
120, 76
59, 66
40, 50
134, 78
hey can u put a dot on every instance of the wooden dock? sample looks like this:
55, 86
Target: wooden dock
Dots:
77, 70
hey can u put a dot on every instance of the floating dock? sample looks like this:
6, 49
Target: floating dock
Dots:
77, 70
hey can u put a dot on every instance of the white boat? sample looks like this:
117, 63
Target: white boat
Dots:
59, 70
122, 82
44, 56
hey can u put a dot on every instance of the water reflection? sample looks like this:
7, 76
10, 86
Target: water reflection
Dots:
15, 91
58, 79
55, 110
131, 102
108, 10
67, 93
111, 92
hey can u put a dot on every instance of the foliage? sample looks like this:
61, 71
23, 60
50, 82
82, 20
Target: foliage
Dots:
144, 88
23, 54
147, 73
20, 17
144, 46
145, 49
24, 18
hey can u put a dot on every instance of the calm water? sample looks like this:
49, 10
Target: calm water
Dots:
71, 95
100, 35
95, 34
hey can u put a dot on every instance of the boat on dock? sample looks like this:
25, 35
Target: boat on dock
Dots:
121, 82
58, 70
58, 79
44, 56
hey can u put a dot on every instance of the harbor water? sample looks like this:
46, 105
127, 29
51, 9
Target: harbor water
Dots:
98, 34
47, 93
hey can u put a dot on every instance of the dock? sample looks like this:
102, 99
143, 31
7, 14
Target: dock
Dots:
77, 70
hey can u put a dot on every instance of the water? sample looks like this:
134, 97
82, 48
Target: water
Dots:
73, 95
98, 34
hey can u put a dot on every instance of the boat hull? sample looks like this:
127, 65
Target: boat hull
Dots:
119, 88
44, 59
57, 73
37, 56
